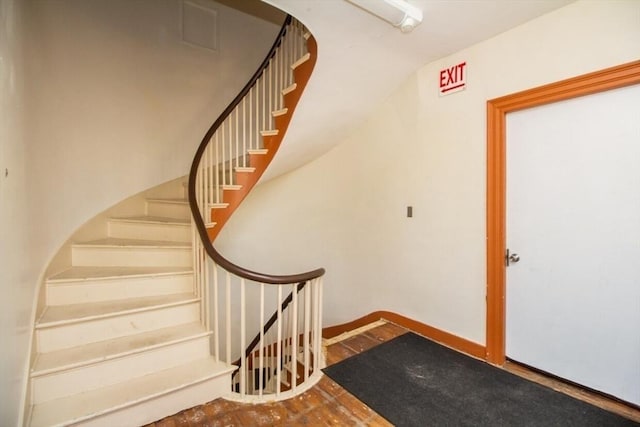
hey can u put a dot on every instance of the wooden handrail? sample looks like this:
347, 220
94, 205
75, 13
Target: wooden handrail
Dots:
193, 204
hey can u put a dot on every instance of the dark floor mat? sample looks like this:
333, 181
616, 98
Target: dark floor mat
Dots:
412, 381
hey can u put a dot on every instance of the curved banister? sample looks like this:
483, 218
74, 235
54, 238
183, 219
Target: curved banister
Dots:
233, 155
193, 203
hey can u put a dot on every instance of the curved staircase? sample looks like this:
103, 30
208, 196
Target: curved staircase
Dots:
122, 339
149, 319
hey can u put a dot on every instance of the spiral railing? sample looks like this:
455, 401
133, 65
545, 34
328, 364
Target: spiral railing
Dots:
285, 356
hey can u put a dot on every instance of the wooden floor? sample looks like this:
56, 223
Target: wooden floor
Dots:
328, 404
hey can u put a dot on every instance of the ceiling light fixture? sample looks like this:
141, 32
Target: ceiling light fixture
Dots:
398, 13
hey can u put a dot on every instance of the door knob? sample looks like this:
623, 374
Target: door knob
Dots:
511, 258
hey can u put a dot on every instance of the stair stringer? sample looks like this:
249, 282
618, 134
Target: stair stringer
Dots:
247, 180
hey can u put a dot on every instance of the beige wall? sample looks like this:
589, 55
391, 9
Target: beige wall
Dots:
16, 274
116, 104
121, 103
346, 210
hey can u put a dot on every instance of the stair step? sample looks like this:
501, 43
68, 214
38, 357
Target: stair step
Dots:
73, 313
171, 189
150, 227
232, 187
289, 89
172, 208
244, 169
67, 326
141, 400
55, 361
259, 151
124, 367
301, 61
148, 219
218, 205
115, 252
278, 113
92, 284
269, 132
178, 201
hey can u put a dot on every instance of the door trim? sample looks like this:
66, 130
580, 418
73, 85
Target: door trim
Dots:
497, 109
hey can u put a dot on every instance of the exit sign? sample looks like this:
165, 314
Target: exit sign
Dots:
453, 79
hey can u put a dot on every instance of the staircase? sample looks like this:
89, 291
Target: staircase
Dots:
149, 319
233, 155
122, 339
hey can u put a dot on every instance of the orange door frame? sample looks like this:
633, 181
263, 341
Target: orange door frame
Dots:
497, 109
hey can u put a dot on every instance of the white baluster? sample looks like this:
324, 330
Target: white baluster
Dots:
228, 316
307, 321
294, 338
244, 132
314, 332
269, 72
264, 103
256, 116
228, 165
224, 155
204, 299
319, 328
279, 344
237, 152
296, 42
261, 364
243, 329
217, 166
216, 323
276, 77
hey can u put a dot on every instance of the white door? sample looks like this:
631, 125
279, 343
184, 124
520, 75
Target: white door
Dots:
573, 217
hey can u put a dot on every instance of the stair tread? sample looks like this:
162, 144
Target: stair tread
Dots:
281, 112
245, 169
73, 409
218, 205
77, 274
54, 315
119, 242
104, 350
289, 89
152, 220
231, 187
168, 200
304, 58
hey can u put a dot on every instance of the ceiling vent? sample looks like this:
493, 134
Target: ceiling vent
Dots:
199, 25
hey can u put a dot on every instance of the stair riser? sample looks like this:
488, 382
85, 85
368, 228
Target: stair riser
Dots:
95, 290
169, 210
80, 333
169, 190
125, 256
102, 374
150, 231
162, 406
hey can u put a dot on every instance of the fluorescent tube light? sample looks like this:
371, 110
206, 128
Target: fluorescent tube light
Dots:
398, 13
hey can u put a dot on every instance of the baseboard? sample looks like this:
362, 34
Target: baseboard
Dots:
458, 343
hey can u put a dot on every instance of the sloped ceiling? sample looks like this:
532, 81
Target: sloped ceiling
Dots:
362, 59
